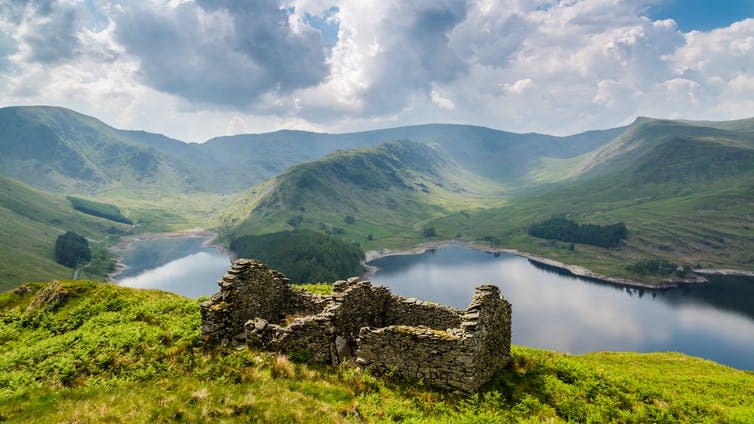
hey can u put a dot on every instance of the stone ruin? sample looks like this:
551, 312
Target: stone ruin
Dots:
364, 324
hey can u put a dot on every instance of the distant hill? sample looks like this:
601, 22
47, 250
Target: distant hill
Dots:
684, 190
57, 149
499, 155
388, 191
31, 221
60, 150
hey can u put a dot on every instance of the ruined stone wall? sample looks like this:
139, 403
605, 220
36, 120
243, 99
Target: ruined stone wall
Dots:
308, 338
331, 335
492, 331
436, 357
462, 358
414, 312
434, 343
248, 290
358, 304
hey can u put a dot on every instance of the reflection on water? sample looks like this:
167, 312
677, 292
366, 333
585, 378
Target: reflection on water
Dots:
570, 314
179, 265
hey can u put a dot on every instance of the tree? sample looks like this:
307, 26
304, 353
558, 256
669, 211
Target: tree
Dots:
303, 255
429, 232
71, 248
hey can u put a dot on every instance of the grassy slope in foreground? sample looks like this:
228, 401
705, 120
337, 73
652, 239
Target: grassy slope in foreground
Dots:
113, 354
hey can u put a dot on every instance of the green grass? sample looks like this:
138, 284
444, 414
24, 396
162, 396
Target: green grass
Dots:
391, 191
31, 222
712, 226
113, 354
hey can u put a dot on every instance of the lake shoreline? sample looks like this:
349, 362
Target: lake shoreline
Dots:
127, 242
573, 270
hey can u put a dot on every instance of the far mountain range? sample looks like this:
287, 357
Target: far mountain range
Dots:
684, 189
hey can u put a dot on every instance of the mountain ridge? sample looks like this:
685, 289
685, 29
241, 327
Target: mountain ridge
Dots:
387, 190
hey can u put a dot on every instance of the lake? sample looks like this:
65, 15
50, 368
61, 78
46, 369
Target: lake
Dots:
570, 314
550, 310
182, 265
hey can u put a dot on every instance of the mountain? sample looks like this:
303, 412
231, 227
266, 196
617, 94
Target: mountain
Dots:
60, 150
662, 151
388, 191
684, 190
57, 149
499, 155
31, 222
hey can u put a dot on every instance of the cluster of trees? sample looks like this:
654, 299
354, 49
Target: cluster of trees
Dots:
659, 267
102, 210
304, 256
563, 229
492, 240
71, 248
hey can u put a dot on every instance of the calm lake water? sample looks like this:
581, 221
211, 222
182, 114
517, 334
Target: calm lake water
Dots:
550, 310
180, 265
568, 314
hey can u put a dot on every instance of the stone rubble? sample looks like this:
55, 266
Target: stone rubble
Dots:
363, 324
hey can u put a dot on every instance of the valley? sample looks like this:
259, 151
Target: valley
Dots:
682, 188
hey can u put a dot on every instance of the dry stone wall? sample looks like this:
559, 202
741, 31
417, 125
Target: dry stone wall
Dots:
462, 358
415, 312
250, 289
362, 323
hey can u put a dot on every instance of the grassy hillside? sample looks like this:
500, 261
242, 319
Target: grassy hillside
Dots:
685, 193
31, 221
390, 192
681, 187
92, 352
498, 155
57, 149
60, 150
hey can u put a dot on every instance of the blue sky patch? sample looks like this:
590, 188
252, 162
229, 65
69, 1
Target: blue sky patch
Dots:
703, 15
329, 27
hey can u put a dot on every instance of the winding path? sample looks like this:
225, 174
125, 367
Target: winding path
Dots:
76, 272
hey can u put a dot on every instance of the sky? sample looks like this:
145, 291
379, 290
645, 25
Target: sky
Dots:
195, 69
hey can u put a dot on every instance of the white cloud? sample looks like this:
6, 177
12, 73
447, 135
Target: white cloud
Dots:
191, 69
519, 86
443, 102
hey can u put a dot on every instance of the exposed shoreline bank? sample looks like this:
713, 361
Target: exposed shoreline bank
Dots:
573, 270
127, 242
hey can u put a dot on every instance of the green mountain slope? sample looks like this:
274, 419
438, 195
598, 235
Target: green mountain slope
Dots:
499, 155
31, 221
59, 150
684, 191
105, 353
389, 191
